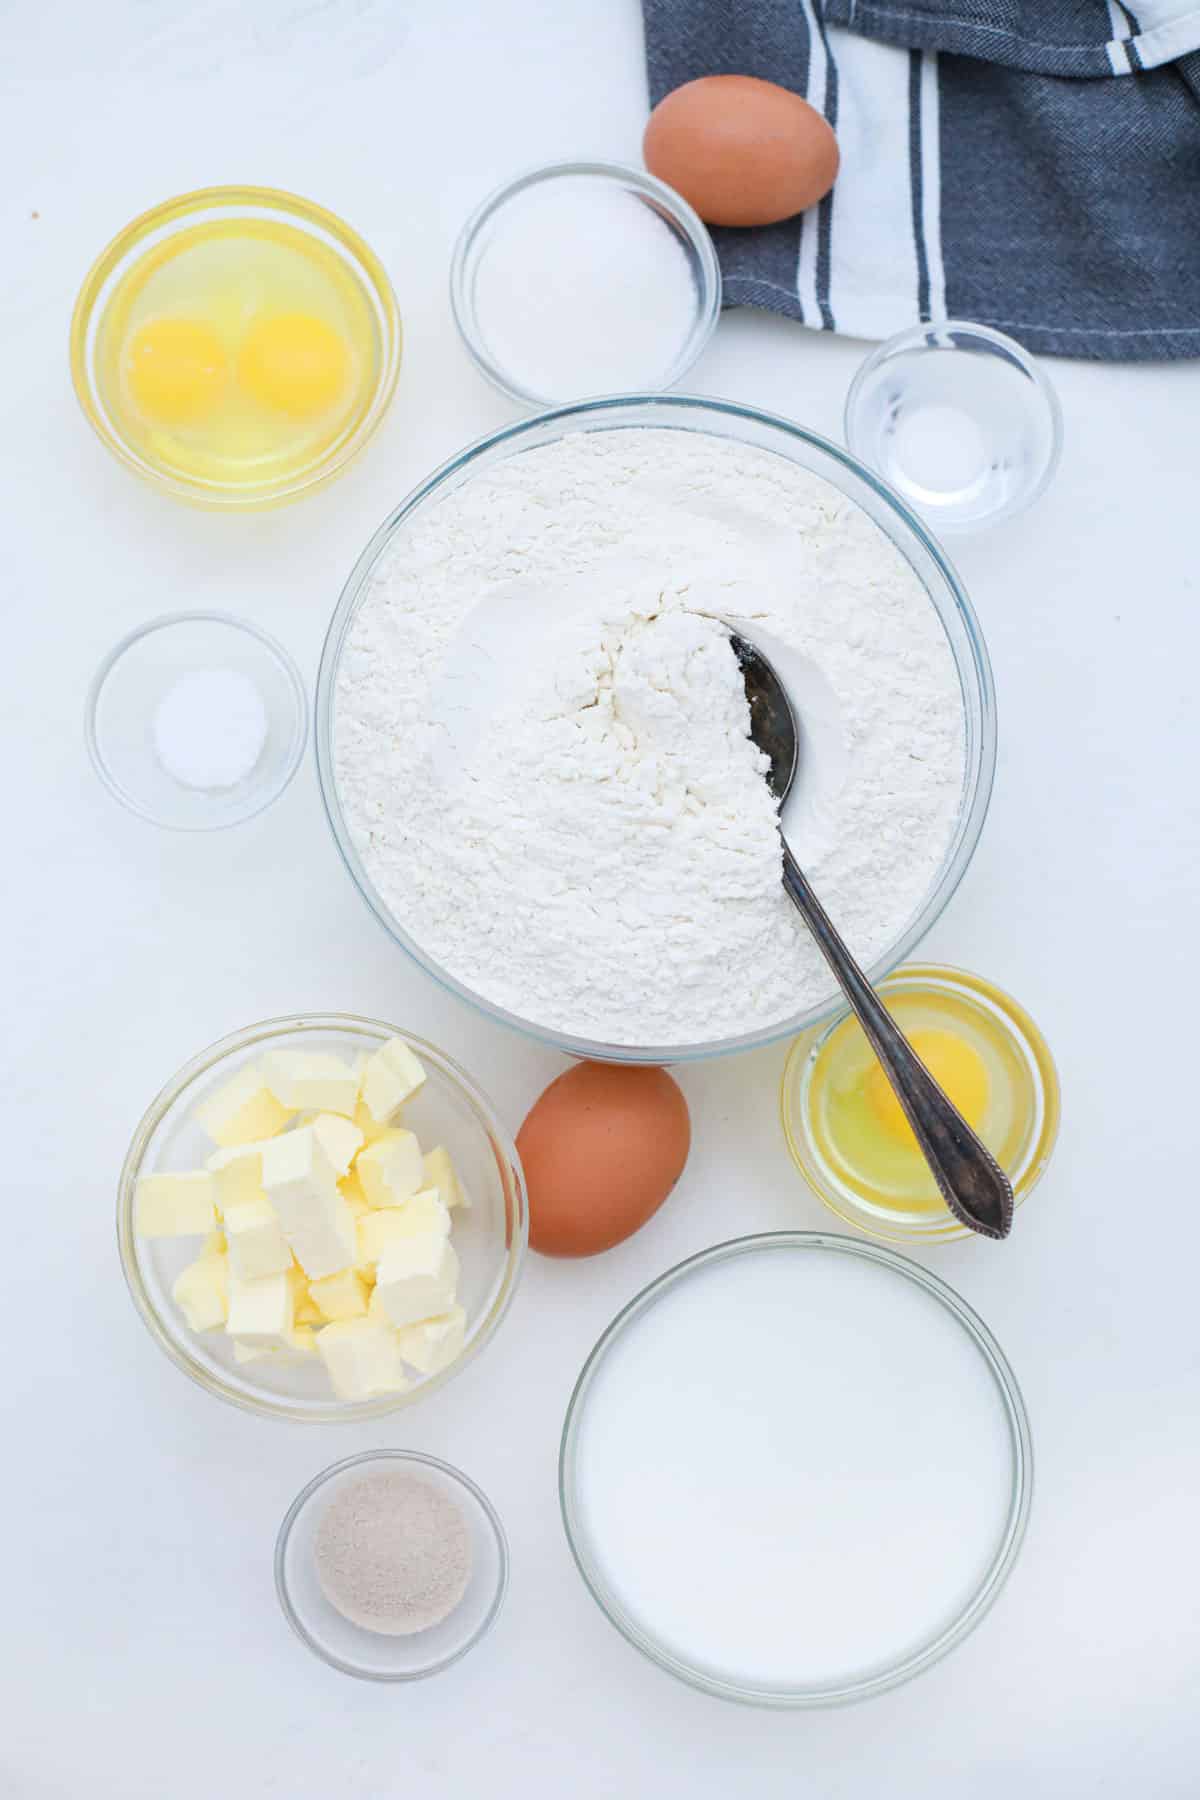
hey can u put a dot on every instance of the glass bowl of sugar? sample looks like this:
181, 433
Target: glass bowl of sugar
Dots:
196, 721
391, 1565
584, 278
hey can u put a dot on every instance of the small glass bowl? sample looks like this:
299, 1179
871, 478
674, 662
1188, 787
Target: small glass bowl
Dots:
1017, 1054
489, 1236
959, 420
137, 675
371, 1655
678, 218
147, 234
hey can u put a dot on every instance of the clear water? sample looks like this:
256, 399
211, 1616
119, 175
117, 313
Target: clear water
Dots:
962, 435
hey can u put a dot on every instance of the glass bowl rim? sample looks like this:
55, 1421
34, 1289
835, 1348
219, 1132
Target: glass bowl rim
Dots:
684, 216
274, 648
915, 337
1019, 1023
174, 212
309, 1492
1010, 1539
971, 817
333, 1411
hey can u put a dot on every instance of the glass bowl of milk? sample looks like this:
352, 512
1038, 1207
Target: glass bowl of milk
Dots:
796, 1470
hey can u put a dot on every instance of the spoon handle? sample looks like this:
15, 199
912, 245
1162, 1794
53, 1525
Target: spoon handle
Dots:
972, 1183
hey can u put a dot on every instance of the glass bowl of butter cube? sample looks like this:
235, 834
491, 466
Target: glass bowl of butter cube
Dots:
321, 1218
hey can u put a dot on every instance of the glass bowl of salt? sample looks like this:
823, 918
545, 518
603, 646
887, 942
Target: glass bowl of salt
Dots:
391, 1565
196, 721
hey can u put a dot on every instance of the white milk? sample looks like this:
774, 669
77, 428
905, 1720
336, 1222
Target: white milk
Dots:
794, 1468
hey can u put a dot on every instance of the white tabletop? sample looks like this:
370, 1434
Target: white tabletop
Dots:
146, 1656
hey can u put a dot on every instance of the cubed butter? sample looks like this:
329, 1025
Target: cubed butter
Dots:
312, 1080
342, 1296
390, 1170
244, 1109
417, 1278
362, 1357
433, 1344
367, 1125
441, 1173
307, 1310
201, 1292
351, 1191
381, 1225
391, 1076
174, 1205
362, 1118
340, 1140
374, 1230
262, 1313
302, 1340
237, 1174
256, 1242
301, 1184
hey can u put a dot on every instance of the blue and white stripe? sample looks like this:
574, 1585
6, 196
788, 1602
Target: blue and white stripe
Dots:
1047, 37
869, 258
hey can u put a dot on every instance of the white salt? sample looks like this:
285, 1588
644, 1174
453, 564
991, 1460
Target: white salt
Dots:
796, 1467
209, 728
582, 288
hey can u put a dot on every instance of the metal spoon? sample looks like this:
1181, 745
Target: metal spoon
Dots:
973, 1185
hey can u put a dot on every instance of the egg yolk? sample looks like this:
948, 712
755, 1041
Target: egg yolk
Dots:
294, 363
955, 1065
176, 369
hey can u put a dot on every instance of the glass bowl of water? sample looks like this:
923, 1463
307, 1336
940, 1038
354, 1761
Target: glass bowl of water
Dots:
959, 420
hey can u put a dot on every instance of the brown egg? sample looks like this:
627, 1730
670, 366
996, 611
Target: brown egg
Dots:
742, 151
601, 1150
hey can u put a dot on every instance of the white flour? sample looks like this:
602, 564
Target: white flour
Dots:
541, 737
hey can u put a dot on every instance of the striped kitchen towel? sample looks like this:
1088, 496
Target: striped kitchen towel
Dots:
1028, 164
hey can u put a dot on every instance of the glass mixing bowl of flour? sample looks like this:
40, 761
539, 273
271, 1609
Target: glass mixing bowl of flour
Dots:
527, 675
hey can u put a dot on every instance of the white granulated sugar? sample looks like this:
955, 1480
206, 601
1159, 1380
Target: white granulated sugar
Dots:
541, 735
582, 288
